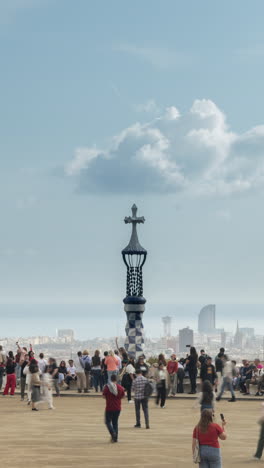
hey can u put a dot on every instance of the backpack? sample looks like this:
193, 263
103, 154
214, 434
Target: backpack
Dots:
87, 365
126, 380
148, 389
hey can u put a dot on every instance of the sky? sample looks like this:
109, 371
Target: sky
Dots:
106, 104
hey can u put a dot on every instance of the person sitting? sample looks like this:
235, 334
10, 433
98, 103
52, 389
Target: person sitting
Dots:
71, 374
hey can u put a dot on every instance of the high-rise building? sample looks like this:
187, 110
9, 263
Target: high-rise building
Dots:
167, 326
206, 319
185, 339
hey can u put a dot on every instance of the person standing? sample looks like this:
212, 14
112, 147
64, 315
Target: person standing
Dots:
54, 373
46, 388
128, 377
10, 374
191, 364
35, 383
260, 445
180, 377
2, 365
96, 370
42, 363
112, 364
79, 365
104, 369
207, 433
138, 387
161, 377
208, 372
172, 368
87, 361
23, 377
113, 393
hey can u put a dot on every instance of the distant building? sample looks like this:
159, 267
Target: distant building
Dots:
238, 338
166, 326
185, 338
248, 332
206, 319
66, 333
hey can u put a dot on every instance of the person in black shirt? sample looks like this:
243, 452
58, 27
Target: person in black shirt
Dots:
208, 371
191, 364
10, 374
23, 377
54, 372
202, 357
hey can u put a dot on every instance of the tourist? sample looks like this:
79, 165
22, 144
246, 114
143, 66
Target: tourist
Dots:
191, 366
96, 371
260, 445
18, 368
172, 368
42, 363
46, 388
202, 357
10, 367
219, 367
2, 365
112, 363
71, 374
162, 384
113, 393
138, 387
142, 366
35, 383
206, 397
227, 382
119, 366
128, 377
180, 377
161, 358
28, 379
62, 372
23, 377
87, 361
22, 351
254, 380
104, 369
208, 372
79, 369
207, 433
54, 373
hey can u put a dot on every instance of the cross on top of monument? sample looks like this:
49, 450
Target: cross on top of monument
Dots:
134, 218
134, 246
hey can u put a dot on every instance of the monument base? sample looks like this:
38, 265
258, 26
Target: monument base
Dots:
134, 342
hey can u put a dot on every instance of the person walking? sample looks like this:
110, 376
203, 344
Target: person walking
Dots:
79, 365
2, 365
46, 388
10, 374
207, 433
113, 393
227, 381
161, 378
191, 365
208, 372
172, 368
138, 387
206, 398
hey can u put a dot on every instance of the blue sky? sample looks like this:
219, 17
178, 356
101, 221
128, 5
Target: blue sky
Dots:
104, 104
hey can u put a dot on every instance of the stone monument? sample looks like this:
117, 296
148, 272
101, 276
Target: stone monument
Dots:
134, 256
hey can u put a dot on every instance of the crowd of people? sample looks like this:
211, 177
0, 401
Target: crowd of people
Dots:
117, 374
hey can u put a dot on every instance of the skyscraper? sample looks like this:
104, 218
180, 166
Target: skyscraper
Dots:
206, 319
185, 339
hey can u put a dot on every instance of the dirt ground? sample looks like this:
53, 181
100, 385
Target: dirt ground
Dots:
74, 435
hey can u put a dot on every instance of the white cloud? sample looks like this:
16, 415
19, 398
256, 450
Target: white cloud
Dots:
194, 152
149, 106
158, 57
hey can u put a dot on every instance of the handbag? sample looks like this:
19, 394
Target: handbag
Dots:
196, 452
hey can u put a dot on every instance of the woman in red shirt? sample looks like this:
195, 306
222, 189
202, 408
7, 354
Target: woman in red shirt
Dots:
208, 433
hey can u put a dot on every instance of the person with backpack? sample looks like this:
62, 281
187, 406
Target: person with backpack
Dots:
87, 361
128, 375
141, 400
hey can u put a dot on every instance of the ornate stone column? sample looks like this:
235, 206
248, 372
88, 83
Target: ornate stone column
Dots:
134, 256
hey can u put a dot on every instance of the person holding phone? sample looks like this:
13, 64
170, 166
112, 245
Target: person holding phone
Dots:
207, 432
